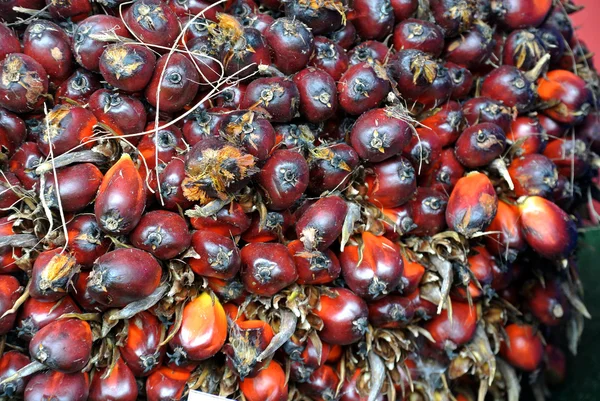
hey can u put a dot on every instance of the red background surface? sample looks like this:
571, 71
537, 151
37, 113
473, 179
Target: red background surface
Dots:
587, 23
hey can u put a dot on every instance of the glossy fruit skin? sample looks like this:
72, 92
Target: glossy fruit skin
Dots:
391, 312
186, 8
164, 234
516, 14
378, 135
10, 363
374, 19
524, 48
446, 122
319, 19
127, 67
52, 271
77, 187
271, 229
588, 131
424, 150
571, 93
419, 34
547, 228
362, 88
487, 110
414, 71
24, 162
79, 87
509, 85
321, 224
242, 58
452, 332
23, 81
229, 221
63, 345
278, 96
392, 183
472, 205
167, 383
86, 242
121, 198
141, 350
527, 135
291, 43
445, 174
547, 302
13, 132
253, 131
219, 256
35, 314
346, 36
48, 44
52, 385
123, 276
344, 316
428, 211
314, 267
8, 197
284, 178
124, 114
176, 77
10, 42
120, 384
203, 330
318, 94
152, 22
69, 128
247, 340
506, 236
332, 170
525, 350
267, 268
569, 156
10, 291
322, 384
453, 16
473, 48
533, 174
268, 385
479, 145
329, 57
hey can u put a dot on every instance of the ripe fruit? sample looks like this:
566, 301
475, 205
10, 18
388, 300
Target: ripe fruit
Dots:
291, 44
450, 332
57, 385
533, 174
174, 83
151, 21
141, 350
10, 291
569, 95
362, 87
269, 384
86, 48
284, 178
524, 349
118, 385
51, 274
392, 182
314, 267
23, 82
127, 67
321, 224
164, 234
10, 363
36, 314
344, 316
318, 94
479, 145
267, 268
217, 255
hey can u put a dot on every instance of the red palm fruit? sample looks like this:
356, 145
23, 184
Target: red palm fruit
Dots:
314, 267
50, 46
563, 194
375, 269
52, 272
168, 382
87, 49
82, 295
9, 41
427, 210
233, 312
373, 20
283, 178
121, 198
77, 187
331, 167
479, 145
321, 224
8, 196
247, 340
569, 95
412, 274
318, 94
10, 363
510, 86
123, 276
414, 71
161, 145
164, 234
291, 43
309, 359
523, 348
171, 192
127, 67
515, 14
589, 131
230, 97
23, 82
527, 136
8, 254
152, 21
13, 132
322, 384
370, 51
35, 314
351, 389
524, 48
217, 255
329, 57
533, 174
63, 345
344, 316
452, 331
79, 87
229, 221
547, 228
487, 110
124, 114
228, 291
185, 8
446, 122
473, 48
362, 87
59, 386
174, 83
69, 127
472, 205
571, 157
10, 291
505, 238
319, 18
392, 182
478, 277
119, 385
24, 163
203, 330
403, 9
86, 242
379, 134
547, 302
420, 35
76, 8
438, 93
253, 131
269, 384
555, 363
246, 59
278, 96
141, 350
453, 16
461, 79
446, 173
345, 37
392, 311
424, 150
267, 268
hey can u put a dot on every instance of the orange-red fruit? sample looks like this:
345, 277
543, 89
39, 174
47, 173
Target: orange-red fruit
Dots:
167, 383
505, 231
52, 272
450, 332
10, 291
35, 314
164, 234
547, 302
524, 348
314, 267
533, 174
247, 340
547, 228
121, 198
53, 385
218, 256
321, 224
472, 205
568, 94
344, 316
77, 187
203, 330
10, 363
119, 385
322, 384
267, 268
68, 128
268, 385
86, 241
141, 350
